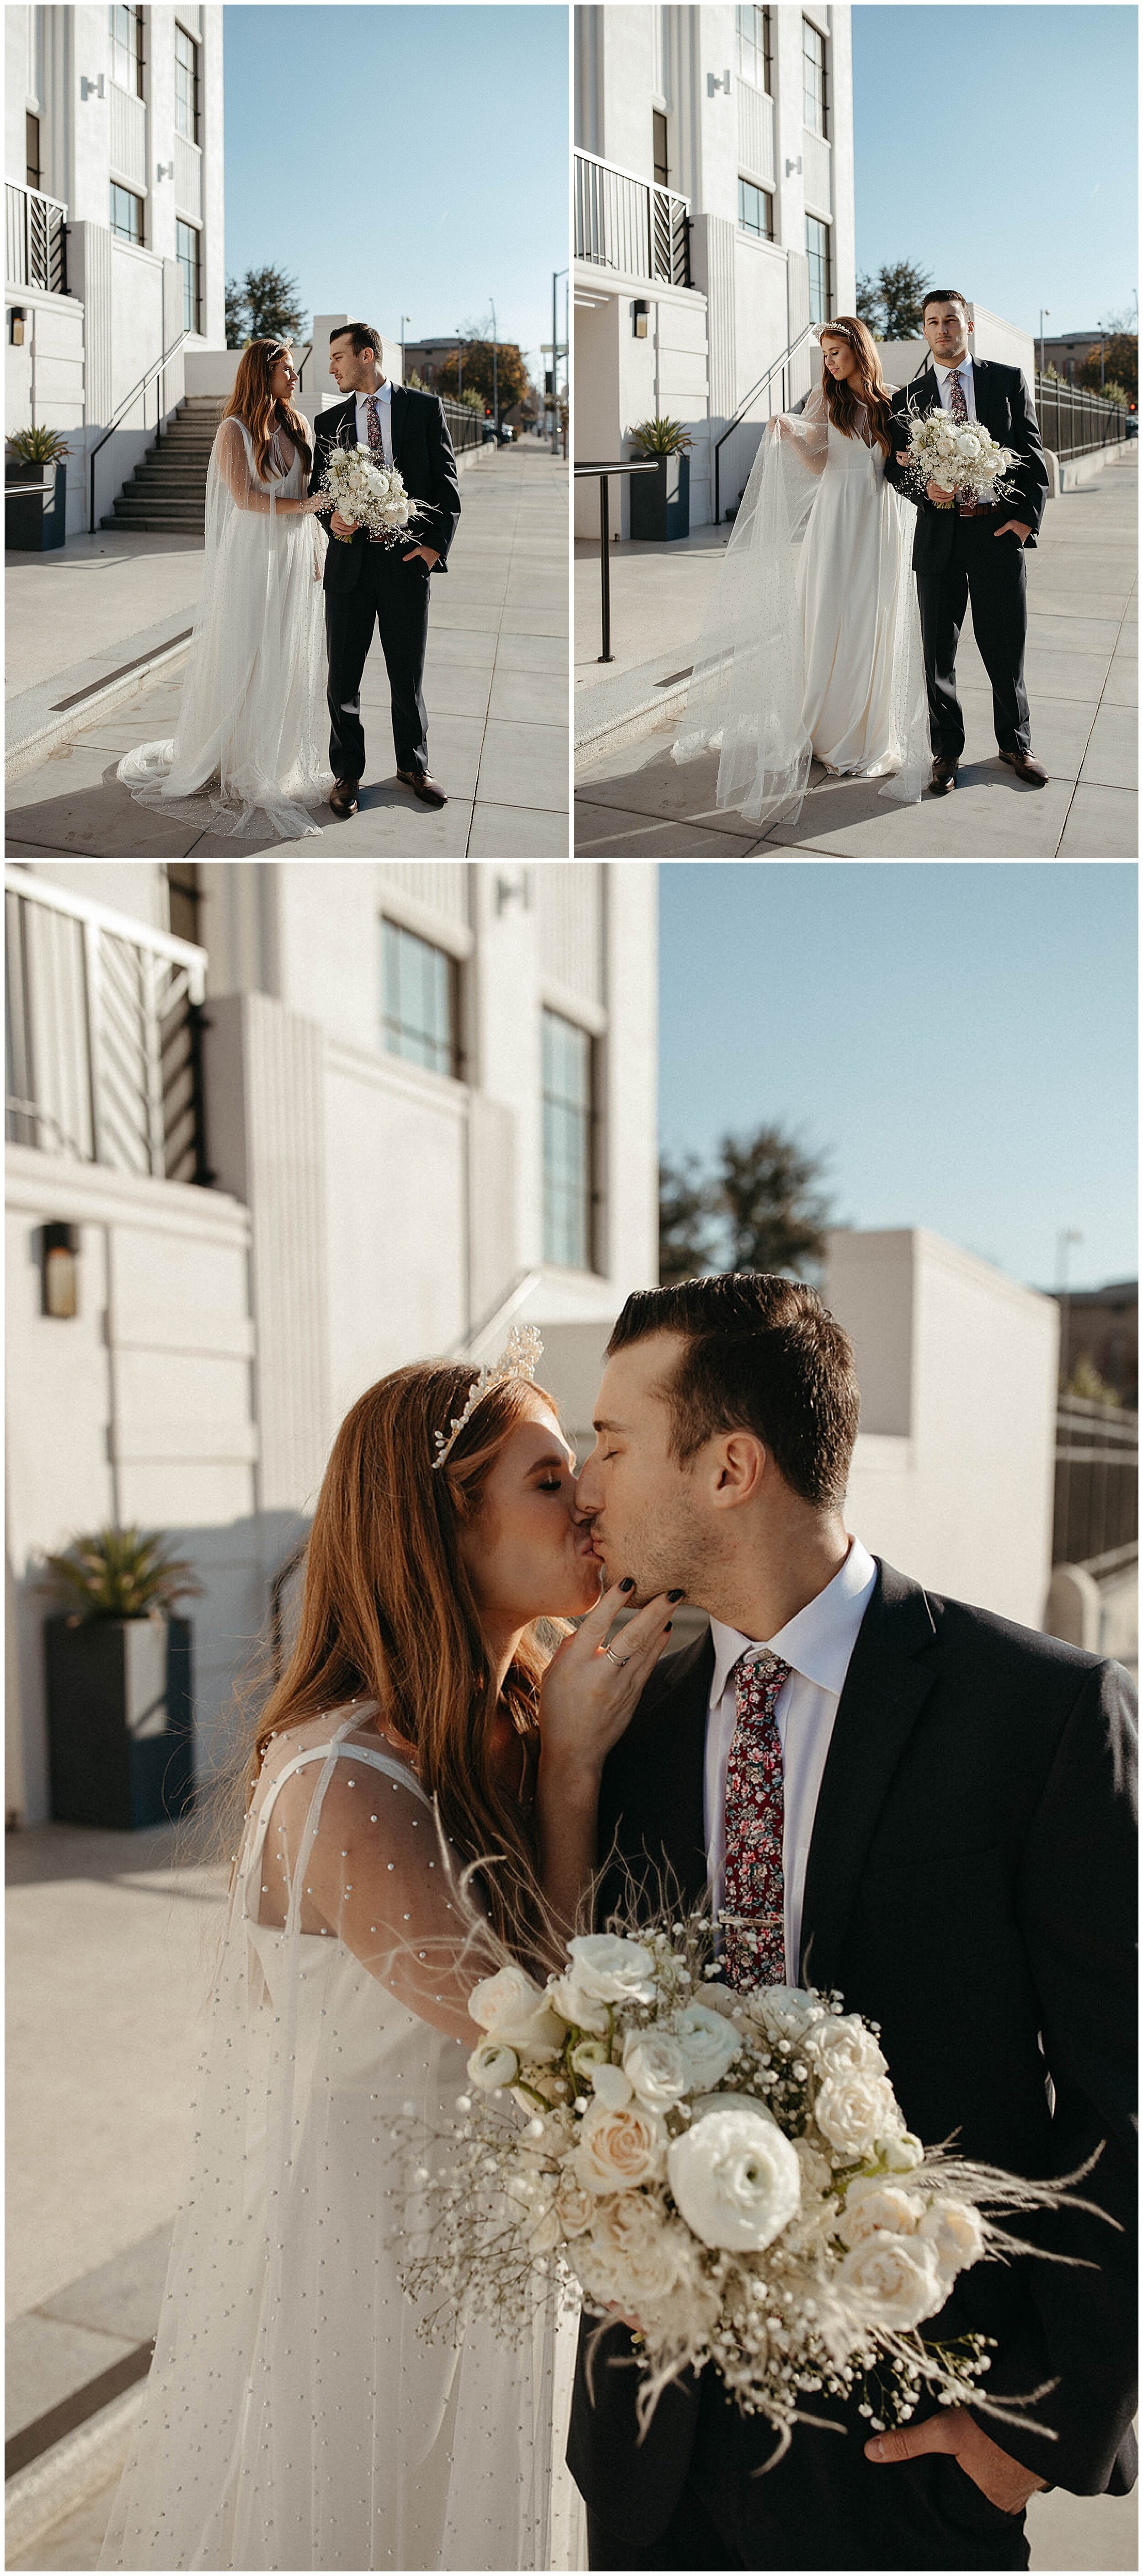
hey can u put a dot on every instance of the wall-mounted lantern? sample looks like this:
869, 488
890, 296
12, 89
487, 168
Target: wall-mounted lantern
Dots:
59, 1270
640, 309
91, 88
17, 320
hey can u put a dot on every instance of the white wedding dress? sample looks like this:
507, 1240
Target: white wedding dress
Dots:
813, 647
249, 748
295, 2416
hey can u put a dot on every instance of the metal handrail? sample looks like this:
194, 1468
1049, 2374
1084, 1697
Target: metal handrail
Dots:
642, 465
640, 176
155, 369
118, 925
740, 415
16, 491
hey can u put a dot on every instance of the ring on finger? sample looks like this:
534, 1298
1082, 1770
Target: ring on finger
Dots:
618, 1660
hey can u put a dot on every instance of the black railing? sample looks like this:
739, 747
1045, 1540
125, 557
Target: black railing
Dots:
783, 369
630, 224
645, 465
1097, 1489
1074, 422
153, 375
465, 426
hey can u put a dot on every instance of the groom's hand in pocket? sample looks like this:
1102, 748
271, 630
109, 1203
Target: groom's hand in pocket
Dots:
1016, 528
431, 557
1005, 2481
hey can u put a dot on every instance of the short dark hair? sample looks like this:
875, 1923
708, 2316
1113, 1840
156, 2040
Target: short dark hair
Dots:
362, 335
943, 295
764, 1355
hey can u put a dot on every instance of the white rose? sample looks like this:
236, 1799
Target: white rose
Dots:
512, 2008
708, 2041
786, 2012
736, 2179
969, 444
616, 2150
656, 2067
492, 2066
892, 2281
611, 2086
839, 2044
575, 2207
854, 2111
902, 2153
871, 2205
604, 1971
588, 2054
954, 2230
704, 2102
634, 2255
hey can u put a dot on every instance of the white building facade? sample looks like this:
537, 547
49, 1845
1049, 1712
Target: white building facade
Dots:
713, 225
307, 1122
114, 251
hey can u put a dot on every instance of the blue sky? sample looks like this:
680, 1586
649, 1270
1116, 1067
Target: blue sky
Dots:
960, 1040
402, 160
997, 149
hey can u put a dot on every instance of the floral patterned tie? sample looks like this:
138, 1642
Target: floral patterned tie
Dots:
755, 1816
957, 404
376, 443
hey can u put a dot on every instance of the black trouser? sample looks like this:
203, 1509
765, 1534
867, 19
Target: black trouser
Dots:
396, 594
990, 571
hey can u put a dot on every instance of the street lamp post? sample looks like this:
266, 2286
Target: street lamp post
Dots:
1067, 1235
405, 317
1044, 308
459, 364
556, 274
495, 395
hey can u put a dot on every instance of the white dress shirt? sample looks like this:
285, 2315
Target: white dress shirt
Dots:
384, 415
817, 1645
944, 377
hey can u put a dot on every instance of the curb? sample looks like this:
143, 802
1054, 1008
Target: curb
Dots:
629, 727
66, 724
49, 2488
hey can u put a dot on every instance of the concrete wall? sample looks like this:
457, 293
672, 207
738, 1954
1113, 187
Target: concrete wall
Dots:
953, 1472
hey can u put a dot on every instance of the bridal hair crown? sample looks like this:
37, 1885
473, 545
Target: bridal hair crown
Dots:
516, 1365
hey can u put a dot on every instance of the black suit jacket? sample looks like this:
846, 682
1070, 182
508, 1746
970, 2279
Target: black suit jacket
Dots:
1005, 406
971, 1886
422, 449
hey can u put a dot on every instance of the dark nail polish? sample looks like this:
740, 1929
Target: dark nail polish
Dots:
676, 1595
668, 1628
628, 1583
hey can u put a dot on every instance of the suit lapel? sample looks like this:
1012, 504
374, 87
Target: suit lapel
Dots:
891, 1672
398, 417
653, 1788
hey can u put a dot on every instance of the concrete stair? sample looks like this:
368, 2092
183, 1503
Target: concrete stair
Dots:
167, 491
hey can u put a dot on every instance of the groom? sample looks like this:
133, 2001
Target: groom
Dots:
366, 580
973, 551
951, 1800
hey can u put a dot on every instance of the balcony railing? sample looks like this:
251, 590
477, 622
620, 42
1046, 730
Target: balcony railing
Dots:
104, 1033
630, 224
35, 239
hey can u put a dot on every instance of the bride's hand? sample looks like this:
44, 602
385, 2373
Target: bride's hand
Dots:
590, 1689
314, 501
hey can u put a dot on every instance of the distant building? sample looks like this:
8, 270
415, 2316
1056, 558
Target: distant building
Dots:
713, 223
1101, 1326
113, 185
1067, 352
307, 1123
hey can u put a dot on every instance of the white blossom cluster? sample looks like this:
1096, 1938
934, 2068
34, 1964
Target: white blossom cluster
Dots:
373, 495
729, 2170
961, 455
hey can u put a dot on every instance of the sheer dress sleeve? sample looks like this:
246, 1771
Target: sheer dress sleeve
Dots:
233, 460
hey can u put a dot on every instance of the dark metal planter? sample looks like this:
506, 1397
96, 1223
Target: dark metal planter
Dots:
120, 1746
661, 503
35, 522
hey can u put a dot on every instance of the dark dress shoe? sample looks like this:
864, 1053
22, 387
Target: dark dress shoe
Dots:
943, 779
1025, 767
423, 786
344, 797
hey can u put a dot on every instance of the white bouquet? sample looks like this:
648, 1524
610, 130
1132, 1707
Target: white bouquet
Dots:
962, 456
729, 2168
369, 493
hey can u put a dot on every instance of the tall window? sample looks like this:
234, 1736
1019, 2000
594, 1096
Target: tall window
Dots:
754, 47
659, 147
184, 899
126, 215
127, 49
817, 253
755, 210
567, 1143
187, 255
814, 102
419, 1013
186, 85
32, 150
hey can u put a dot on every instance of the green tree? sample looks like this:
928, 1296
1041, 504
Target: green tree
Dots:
902, 287
236, 334
272, 310
774, 1214
1120, 364
685, 1210
476, 373
869, 306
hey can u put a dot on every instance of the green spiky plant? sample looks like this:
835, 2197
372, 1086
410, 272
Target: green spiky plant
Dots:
37, 446
121, 1573
660, 436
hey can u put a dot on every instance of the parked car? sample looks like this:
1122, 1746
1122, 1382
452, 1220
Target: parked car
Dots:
488, 434
1133, 424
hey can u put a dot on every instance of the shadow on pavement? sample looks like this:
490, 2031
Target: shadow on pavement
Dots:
105, 821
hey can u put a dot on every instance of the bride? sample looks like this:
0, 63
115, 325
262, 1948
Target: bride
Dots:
294, 2416
813, 648
246, 749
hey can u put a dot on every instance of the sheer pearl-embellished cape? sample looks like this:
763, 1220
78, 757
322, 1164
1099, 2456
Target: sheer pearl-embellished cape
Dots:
294, 2416
248, 750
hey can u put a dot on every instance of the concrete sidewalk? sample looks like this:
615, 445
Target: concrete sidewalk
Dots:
110, 1942
1082, 676
496, 688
